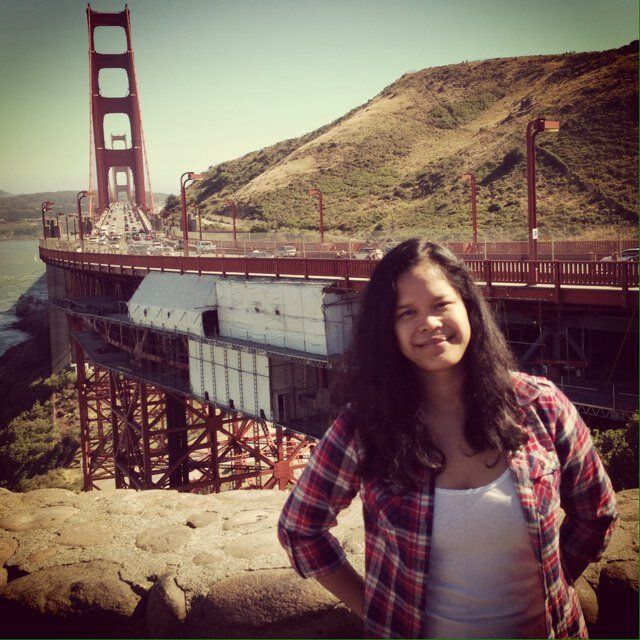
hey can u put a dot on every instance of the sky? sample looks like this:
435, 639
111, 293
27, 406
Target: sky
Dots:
220, 78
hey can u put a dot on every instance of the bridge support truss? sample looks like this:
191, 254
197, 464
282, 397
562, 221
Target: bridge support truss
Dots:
145, 437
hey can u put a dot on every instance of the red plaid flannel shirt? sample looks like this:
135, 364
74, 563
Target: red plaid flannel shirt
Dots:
558, 466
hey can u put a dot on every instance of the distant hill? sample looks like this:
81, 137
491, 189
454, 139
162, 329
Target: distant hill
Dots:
392, 163
4, 193
18, 208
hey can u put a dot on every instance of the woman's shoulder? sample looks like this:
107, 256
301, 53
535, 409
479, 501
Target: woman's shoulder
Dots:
530, 389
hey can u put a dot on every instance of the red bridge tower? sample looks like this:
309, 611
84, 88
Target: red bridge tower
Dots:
133, 157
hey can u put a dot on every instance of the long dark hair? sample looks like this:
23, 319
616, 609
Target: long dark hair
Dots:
386, 395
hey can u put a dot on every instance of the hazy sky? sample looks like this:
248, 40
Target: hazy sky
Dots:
219, 78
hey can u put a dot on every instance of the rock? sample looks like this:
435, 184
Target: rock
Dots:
41, 555
618, 600
51, 498
166, 608
588, 601
163, 539
202, 519
47, 518
253, 545
250, 516
3, 577
83, 598
8, 547
628, 505
274, 603
87, 535
205, 558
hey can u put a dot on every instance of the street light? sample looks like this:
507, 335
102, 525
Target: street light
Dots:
187, 176
534, 127
318, 194
234, 214
80, 195
199, 212
47, 205
474, 217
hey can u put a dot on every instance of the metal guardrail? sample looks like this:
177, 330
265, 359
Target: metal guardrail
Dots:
620, 275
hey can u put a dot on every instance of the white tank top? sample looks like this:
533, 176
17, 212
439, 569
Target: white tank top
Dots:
484, 580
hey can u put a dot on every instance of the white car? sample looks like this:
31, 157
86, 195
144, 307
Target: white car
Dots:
205, 246
286, 251
627, 255
257, 253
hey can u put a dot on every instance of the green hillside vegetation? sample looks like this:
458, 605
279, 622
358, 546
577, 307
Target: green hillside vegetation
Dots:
391, 164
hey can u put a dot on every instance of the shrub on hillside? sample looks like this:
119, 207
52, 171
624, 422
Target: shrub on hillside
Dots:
618, 449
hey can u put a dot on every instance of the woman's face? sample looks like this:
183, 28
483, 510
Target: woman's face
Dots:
431, 321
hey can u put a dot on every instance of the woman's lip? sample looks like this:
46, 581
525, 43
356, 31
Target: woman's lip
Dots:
433, 341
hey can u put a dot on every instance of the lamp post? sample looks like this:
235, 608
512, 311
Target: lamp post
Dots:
471, 178
80, 195
47, 205
187, 176
534, 127
66, 224
318, 194
234, 214
199, 212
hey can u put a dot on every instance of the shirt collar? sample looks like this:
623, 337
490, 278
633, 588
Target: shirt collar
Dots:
525, 388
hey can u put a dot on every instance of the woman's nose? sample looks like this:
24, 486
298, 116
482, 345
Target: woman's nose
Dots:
430, 323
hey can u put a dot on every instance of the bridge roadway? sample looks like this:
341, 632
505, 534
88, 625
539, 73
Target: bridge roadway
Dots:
570, 282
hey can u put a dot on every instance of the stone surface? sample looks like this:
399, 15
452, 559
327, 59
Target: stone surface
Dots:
87, 535
8, 547
163, 539
254, 545
3, 577
166, 608
618, 599
162, 563
45, 518
588, 601
198, 520
86, 597
274, 603
41, 555
205, 558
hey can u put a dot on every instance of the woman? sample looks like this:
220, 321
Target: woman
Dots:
462, 466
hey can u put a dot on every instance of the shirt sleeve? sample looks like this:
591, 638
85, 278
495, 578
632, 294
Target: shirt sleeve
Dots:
327, 485
586, 494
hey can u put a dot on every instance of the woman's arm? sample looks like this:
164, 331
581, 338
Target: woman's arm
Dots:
327, 485
585, 491
347, 585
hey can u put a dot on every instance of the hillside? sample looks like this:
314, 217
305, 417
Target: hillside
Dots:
392, 163
20, 213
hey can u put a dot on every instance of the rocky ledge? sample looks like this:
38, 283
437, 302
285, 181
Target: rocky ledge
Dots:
168, 564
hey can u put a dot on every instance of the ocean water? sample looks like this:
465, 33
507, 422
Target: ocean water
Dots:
21, 271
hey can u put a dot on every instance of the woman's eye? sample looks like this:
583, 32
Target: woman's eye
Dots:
442, 305
406, 313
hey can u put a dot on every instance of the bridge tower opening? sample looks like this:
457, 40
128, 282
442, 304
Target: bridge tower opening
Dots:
133, 158
121, 176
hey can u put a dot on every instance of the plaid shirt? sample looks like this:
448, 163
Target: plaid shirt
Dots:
558, 466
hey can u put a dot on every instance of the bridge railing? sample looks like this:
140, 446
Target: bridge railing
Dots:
622, 275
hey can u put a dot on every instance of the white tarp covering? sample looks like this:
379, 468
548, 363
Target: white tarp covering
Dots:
173, 301
294, 315
225, 375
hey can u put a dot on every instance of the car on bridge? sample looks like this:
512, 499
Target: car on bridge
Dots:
627, 255
258, 253
286, 251
205, 246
